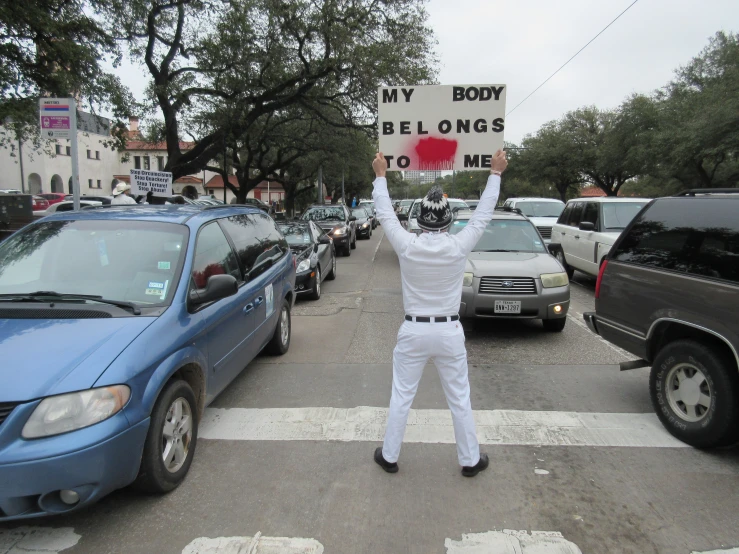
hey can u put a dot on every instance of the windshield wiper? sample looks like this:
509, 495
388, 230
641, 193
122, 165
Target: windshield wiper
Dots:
498, 250
39, 296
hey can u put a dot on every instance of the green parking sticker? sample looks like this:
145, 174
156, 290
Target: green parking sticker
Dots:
164, 265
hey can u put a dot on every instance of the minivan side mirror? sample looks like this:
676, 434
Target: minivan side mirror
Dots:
217, 287
587, 226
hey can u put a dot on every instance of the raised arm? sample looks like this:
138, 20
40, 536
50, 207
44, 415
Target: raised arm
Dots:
399, 238
475, 227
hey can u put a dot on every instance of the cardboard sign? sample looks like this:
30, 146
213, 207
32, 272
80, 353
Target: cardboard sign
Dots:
441, 127
56, 118
158, 182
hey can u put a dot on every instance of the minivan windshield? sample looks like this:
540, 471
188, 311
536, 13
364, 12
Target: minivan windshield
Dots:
541, 209
124, 260
324, 214
504, 235
617, 215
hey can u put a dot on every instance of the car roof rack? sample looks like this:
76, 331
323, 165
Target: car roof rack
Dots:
693, 192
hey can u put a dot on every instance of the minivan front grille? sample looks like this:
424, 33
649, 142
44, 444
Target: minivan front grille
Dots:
507, 285
546, 232
5, 409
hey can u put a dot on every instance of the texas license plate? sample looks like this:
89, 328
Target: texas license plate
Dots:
507, 307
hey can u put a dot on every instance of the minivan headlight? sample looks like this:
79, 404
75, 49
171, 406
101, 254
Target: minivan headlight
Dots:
550, 280
467, 281
68, 412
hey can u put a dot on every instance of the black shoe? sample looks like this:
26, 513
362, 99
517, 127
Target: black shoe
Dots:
383, 463
482, 465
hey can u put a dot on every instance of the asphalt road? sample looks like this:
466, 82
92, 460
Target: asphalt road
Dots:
578, 459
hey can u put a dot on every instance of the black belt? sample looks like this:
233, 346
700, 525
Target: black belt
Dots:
436, 319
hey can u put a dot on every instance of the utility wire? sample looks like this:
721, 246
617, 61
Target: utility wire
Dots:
572, 58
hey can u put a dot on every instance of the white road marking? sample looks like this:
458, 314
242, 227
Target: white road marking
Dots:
729, 551
503, 427
37, 540
541, 471
253, 545
509, 541
378, 248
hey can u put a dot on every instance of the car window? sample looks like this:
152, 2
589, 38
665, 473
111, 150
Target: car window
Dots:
618, 215
213, 256
329, 213
458, 205
298, 236
687, 237
121, 259
540, 209
565, 215
360, 213
415, 210
257, 241
575, 214
590, 213
505, 235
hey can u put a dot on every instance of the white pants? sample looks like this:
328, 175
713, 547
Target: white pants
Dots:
444, 343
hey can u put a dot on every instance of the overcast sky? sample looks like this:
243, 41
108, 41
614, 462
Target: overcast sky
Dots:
521, 42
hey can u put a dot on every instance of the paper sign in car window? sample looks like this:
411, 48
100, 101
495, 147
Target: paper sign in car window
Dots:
164, 265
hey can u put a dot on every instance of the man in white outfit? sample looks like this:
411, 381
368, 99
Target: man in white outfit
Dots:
432, 268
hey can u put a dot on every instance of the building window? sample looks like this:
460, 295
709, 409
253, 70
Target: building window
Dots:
137, 162
69, 150
89, 154
100, 185
59, 149
160, 163
97, 154
147, 162
89, 183
211, 192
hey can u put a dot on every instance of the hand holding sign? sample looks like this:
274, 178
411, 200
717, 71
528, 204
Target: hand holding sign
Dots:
499, 163
379, 164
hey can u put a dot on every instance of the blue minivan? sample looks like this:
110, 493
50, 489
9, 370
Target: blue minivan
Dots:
118, 326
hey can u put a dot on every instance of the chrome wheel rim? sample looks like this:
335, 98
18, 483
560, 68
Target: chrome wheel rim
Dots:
284, 326
177, 435
318, 281
688, 392
333, 265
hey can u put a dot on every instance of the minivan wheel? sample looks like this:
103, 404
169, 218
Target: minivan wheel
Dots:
554, 325
280, 342
170, 442
561, 259
695, 392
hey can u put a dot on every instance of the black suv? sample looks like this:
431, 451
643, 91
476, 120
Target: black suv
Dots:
668, 292
338, 222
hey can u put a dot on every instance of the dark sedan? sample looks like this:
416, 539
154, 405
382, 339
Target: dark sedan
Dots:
338, 222
315, 256
364, 222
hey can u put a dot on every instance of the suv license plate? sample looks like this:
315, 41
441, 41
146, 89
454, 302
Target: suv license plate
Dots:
507, 307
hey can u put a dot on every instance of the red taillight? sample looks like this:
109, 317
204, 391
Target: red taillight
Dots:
600, 278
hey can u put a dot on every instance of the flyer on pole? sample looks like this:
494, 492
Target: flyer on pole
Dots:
56, 118
158, 182
441, 127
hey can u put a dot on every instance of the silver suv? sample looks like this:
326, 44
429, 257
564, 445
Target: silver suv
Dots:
511, 274
542, 212
669, 294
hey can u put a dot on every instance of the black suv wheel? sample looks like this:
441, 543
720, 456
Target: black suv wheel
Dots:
695, 392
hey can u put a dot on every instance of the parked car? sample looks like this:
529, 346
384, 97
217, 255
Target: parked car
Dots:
254, 202
454, 203
105, 200
53, 197
153, 315
542, 212
370, 206
669, 293
39, 203
511, 274
364, 222
588, 228
472, 204
10, 191
338, 222
315, 256
65, 206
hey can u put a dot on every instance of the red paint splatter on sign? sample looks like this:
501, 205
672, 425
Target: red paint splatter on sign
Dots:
436, 153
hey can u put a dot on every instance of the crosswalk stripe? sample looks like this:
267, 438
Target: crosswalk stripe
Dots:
503, 427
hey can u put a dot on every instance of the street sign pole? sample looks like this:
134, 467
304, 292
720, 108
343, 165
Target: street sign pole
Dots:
75, 157
343, 198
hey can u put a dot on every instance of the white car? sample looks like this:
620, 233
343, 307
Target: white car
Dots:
454, 203
542, 212
588, 227
66, 206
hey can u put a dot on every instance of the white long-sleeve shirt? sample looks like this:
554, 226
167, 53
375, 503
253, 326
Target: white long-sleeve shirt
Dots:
432, 264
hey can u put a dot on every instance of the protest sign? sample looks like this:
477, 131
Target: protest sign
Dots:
158, 182
441, 127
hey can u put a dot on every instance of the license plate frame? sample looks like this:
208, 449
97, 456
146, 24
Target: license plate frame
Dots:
507, 307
